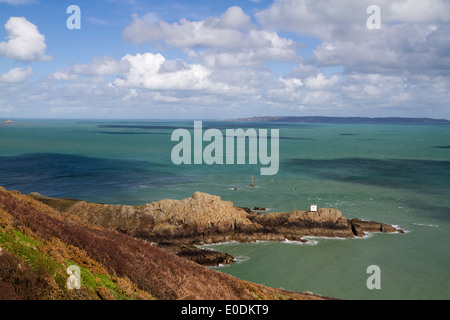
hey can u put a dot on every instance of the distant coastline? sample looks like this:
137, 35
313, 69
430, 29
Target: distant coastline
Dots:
344, 120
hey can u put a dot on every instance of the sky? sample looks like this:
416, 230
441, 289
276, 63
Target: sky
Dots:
137, 59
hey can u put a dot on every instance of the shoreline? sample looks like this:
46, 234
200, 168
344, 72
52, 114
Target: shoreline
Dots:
40, 245
181, 226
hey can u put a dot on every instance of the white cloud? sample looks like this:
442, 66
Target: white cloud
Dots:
292, 83
98, 68
234, 18
326, 18
216, 40
16, 75
321, 81
419, 11
183, 34
413, 36
103, 66
64, 76
225, 67
25, 43
152, 71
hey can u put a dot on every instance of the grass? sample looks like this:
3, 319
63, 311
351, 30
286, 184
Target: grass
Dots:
95, 281
26, 249
31, 260
30, 252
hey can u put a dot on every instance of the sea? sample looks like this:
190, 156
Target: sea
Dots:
395, 174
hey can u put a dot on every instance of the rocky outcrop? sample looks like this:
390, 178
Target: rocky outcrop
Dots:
179, 225
40, 245
361, 226
204, 257
202, 218
325, 222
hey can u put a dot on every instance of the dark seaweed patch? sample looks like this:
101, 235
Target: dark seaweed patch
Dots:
130, 133
85, 178
414, 174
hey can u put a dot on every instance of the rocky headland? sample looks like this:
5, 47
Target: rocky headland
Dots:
179, 226
41, 244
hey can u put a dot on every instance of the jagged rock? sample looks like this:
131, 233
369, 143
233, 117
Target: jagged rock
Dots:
356, 229
248, 210
259, 209
373, 226
206, 219
200, 216
201, 256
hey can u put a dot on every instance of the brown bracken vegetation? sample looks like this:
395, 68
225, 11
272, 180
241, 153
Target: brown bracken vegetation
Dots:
38, 243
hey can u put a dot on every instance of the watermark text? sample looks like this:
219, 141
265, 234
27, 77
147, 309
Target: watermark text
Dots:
233, 153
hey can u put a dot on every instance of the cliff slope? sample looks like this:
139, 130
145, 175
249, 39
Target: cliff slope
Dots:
39, 242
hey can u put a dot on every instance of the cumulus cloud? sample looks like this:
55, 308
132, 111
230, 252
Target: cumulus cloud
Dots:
64, 76
97, 69
16, 75
234, 18
153, 71
235, 65
325, 18
101, 66
227, 41
411, 37
321, 81
223, 32
183, 34
419, 11
25, 42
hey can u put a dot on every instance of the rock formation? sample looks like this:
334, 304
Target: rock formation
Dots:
179, 225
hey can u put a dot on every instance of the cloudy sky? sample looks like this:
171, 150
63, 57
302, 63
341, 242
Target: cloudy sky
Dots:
224, 59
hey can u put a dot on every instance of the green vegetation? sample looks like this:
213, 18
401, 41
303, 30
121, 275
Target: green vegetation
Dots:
31, 252
26, 249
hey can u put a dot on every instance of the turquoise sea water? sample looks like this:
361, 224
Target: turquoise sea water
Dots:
396, 174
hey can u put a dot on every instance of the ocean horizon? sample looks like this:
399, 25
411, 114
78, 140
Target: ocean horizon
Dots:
395, 174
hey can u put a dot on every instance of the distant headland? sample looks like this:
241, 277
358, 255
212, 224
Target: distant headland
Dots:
344, 120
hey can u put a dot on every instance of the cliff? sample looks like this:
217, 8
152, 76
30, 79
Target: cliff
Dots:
39, 240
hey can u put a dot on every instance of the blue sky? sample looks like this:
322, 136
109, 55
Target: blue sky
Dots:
224, 59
